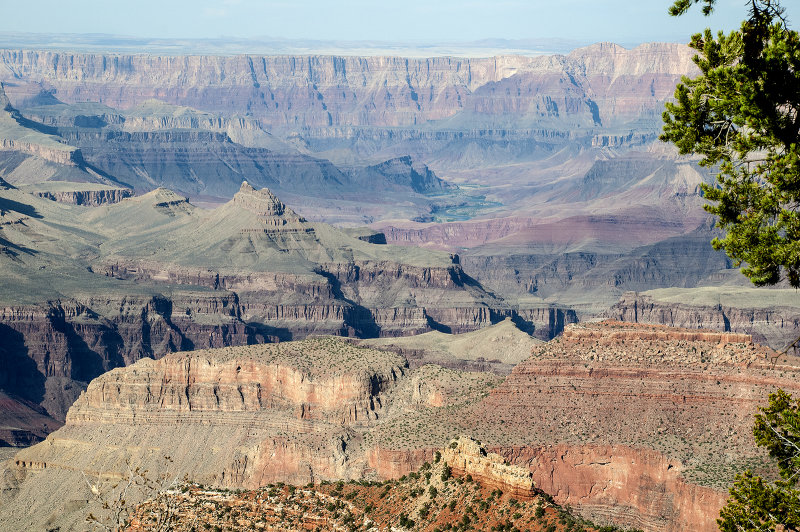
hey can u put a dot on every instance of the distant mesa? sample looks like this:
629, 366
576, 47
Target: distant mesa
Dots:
86, 194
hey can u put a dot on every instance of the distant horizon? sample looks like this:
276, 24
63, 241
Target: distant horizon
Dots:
387, 21
266, 45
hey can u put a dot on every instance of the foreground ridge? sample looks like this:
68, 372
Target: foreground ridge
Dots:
464, 488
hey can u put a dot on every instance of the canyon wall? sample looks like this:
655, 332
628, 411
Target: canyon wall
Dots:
776, 326
645, 426
291, 412
639, 487
63, 345
85, 197
326, 92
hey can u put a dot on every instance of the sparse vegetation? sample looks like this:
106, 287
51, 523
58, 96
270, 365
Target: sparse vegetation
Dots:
407, 504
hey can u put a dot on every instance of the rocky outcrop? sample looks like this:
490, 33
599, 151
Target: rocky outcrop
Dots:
403, 171
86, 197
67, 156
466, 456
776, 326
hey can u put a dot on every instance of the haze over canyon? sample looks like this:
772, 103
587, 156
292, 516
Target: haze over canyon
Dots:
306, 268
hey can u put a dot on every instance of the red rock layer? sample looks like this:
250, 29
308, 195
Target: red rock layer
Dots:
645, 425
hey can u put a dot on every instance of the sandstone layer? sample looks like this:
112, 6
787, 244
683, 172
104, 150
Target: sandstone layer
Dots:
771, 317
466, 456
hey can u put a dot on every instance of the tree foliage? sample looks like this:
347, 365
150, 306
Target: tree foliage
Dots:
742, 116
755, 504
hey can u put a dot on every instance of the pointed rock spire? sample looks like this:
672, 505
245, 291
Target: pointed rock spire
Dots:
263, 203
5, 103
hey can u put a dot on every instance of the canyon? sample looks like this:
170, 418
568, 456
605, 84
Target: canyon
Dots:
641, 425
542, 173
102, 287
249, 270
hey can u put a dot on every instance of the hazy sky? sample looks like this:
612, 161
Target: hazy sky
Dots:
623, 21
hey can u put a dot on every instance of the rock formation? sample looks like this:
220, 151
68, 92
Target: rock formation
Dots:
80, 196
640, 425
574, 199
772, 317
294, 411
164, 276
341, 92
466, 457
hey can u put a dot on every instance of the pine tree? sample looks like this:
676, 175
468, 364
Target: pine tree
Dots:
742, 115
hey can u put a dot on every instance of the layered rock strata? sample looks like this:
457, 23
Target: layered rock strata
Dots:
640, 425
643, 426
606, 84
166, 277
85, 197
775, 325
290, 412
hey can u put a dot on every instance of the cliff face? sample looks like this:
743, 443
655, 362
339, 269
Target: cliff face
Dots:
643, 424
252, 379
324, 91
86, 197
68, 343
67, 157
600, 480
775, 326
291, 412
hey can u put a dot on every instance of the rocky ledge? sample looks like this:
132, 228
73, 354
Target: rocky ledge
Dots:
771, 317
466, 456
85, 197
